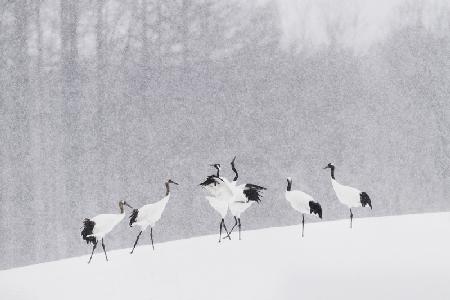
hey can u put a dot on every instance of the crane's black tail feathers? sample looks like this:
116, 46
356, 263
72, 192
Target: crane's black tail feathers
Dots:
133, 216
315, 208
253, 192
365, 200
88, 227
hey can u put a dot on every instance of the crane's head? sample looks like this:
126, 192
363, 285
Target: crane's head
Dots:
171, 181
217, 166
289, 183
329, 166
122, 203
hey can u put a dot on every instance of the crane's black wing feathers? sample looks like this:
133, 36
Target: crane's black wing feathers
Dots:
88, 227
211, 179
253, 192
365, 200
133, 216
254, 186
315, 208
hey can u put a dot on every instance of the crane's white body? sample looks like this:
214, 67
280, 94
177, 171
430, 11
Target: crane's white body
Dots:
222, 189
237, 208
299, 201
347, 195
104, 223
219, 205
220, 196
149, 214
226, 195
238, 203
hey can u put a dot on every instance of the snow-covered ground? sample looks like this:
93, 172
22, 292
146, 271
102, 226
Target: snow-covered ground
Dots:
404, 257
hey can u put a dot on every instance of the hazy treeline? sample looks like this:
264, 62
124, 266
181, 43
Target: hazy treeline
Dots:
104, 100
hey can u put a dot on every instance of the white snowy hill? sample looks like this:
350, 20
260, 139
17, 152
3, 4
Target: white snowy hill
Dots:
403, 257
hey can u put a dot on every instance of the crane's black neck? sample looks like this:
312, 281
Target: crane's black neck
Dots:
332, 172
167, 188
289, 185
235, 172
218, 172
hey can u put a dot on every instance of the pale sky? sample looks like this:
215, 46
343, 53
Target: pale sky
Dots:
356, 24
304, 25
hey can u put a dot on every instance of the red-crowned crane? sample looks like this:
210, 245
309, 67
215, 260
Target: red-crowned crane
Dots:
244, 196
303, 203
219, 195
97, 227
227, 195
348, 195
149, 214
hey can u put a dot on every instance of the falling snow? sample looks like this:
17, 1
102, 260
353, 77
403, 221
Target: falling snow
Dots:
105, 100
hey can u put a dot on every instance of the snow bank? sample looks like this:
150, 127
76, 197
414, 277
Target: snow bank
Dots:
403, 257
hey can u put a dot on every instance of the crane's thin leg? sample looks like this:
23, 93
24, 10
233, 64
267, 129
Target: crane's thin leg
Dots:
225, 227
104, 250
236, 222
351, 218
303, 225
135, 243
93, 249
220, 230
151, 237
239, 226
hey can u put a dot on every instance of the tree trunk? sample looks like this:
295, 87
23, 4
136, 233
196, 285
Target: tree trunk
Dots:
23, 197
184, 39
71, 98
159, 38
144, 35
100, 120
40, 52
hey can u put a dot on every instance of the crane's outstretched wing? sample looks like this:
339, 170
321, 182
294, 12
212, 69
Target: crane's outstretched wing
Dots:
253, 192
218, 187
211, 180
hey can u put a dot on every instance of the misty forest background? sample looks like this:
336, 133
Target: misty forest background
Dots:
104, 100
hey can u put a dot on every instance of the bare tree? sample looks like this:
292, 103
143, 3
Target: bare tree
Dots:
185, 14
145, 44
101, 105
21, 121
71, 99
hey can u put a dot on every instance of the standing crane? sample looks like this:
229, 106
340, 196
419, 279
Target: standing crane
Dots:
149, 214
303, 203
244, 196
96, 228
218, 197
348, 195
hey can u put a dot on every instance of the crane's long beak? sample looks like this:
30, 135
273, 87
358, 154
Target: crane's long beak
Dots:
174, 182
326, 167
129, 205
